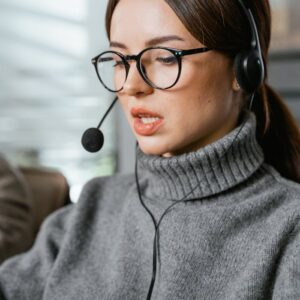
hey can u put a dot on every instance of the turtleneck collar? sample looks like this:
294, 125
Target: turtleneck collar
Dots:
212, 169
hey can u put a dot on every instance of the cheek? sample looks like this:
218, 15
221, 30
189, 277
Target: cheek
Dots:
194, 96
203, 97
207, 79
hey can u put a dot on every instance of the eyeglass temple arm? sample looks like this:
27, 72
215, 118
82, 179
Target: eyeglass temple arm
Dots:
192, 51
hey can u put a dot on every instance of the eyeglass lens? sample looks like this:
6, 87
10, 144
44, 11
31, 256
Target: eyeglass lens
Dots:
159, 66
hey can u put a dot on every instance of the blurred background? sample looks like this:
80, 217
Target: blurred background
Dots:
49, 92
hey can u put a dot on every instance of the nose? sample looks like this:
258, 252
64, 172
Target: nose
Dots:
135, 83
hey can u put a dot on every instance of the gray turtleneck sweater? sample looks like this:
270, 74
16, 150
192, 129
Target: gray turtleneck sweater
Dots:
236, 237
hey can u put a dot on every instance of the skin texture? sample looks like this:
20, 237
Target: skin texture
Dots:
201, 108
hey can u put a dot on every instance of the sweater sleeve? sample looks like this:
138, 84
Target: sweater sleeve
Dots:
25, 276
16, 212
287, 284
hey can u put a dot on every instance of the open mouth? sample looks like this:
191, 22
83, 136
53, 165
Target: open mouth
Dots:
145, 122
148, 120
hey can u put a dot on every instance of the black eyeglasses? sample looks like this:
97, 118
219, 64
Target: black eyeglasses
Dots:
160, 67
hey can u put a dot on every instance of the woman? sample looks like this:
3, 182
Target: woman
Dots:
208, 189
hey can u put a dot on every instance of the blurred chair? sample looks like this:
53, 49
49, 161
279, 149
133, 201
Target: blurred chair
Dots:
49, 189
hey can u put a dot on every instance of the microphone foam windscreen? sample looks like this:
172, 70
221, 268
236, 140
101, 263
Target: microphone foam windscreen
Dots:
92, 140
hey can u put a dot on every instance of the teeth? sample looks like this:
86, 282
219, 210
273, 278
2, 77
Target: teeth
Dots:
149, 120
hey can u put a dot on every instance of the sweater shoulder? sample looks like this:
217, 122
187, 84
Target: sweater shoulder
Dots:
105, 193
287, 190
98, 193
290, 187
116, 182
106, 186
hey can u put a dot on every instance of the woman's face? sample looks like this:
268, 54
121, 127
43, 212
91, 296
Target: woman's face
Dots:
204, 104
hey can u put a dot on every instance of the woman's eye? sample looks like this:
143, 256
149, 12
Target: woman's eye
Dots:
167, 60
105, 59
119, 63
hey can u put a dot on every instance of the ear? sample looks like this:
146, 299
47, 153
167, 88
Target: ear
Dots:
235, 85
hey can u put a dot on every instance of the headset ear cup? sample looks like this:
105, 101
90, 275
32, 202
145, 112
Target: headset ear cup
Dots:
255, 70
239, 71
249, 71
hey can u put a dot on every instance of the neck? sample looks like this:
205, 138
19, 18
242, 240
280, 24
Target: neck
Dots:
205, 172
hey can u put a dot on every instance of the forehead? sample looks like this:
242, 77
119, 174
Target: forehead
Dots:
136, 21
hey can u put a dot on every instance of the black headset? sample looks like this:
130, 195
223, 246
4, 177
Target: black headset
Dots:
249, 65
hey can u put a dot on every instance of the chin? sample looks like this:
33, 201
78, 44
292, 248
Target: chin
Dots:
158, 147
152, 147
161, 148
151, 150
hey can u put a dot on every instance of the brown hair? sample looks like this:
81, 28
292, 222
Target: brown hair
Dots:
221, 24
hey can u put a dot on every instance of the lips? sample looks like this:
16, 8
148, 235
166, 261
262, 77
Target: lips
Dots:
146, 122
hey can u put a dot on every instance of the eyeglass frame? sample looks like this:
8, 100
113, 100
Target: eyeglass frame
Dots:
178, 54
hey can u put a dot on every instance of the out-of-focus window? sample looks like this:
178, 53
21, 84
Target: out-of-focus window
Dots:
284, 66
49, 92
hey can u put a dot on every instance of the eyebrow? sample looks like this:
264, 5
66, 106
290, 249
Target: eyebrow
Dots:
153, 42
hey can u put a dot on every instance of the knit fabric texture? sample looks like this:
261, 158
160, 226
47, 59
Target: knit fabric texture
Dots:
233, 232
